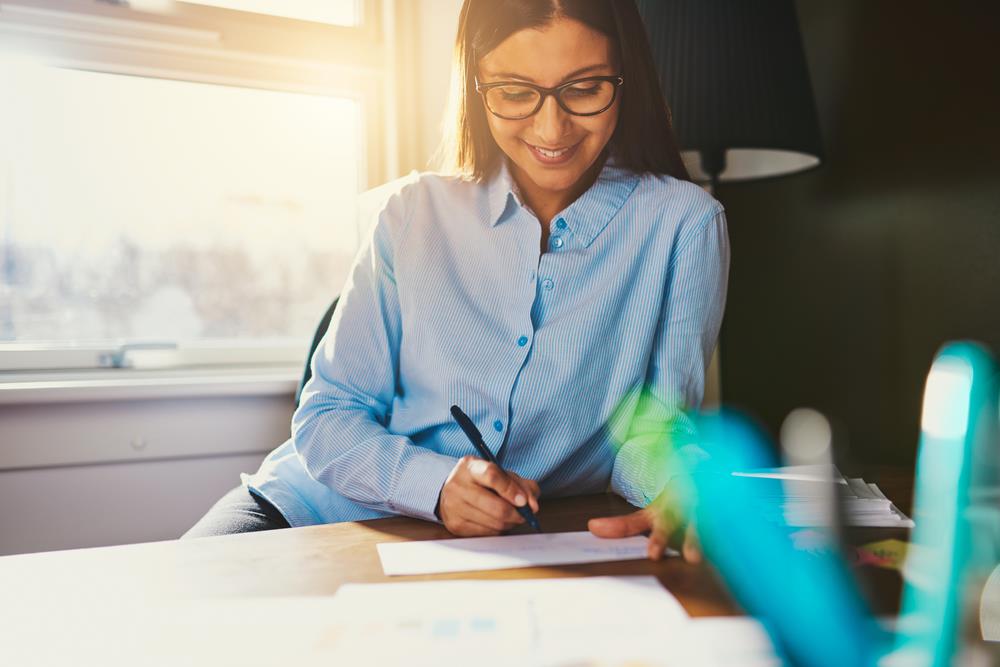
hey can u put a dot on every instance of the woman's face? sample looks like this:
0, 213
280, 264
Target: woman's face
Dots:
560, 51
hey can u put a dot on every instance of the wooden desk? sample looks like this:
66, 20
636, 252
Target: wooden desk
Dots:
317, 560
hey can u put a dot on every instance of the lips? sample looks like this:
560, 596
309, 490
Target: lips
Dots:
552, 155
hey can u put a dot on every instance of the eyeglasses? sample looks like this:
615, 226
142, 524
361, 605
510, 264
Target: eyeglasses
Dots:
514, 100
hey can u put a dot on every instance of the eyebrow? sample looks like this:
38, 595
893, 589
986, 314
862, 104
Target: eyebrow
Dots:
571, 75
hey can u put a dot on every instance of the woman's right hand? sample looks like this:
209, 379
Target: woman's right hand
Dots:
479, 498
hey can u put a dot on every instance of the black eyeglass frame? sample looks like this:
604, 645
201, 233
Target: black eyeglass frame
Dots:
556, 92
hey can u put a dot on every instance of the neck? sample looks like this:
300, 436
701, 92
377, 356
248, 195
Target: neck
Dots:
547, 203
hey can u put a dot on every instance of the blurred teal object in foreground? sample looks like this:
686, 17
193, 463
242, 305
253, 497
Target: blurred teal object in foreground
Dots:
806, 598
958, 457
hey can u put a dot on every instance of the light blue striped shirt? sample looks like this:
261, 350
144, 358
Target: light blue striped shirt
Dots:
451, 302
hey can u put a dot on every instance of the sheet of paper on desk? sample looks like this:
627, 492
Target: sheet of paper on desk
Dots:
505, 551
526, 622
730, 641
803, 488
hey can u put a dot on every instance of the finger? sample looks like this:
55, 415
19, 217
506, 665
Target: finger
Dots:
492, 477
465, 510
659, 536
531, 486
692, 545
657, 545
483, 517
621, 526
468, 528
492, 505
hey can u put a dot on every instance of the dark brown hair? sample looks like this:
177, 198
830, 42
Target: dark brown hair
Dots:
643, 140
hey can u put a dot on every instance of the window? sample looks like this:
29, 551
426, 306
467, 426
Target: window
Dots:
335, 12
184, 181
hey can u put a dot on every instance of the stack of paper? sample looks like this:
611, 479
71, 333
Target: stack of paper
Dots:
805, 493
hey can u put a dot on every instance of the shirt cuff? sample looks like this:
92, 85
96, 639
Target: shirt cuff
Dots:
419, 485
642, 469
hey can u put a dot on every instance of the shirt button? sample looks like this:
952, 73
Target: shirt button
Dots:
547, 284
560, 224
498, 425
557, 242
522, 341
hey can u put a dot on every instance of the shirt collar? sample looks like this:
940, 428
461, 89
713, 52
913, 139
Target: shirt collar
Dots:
592, 211
586, 217
502, 194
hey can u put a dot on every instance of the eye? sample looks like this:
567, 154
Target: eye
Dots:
516, 93
584, 90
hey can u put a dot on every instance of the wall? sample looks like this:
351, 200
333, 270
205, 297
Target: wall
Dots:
845, 280
101, 470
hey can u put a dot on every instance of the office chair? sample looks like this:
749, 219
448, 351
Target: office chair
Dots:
321, 328
369, 204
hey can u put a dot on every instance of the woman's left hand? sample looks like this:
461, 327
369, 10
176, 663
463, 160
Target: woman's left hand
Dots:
661, 519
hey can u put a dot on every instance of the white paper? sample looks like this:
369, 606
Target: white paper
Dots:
861, 503
730, 641
526, 622
506, 551
804, 473
497, 623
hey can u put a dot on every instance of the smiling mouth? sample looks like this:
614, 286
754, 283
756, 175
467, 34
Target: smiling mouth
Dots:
552, 154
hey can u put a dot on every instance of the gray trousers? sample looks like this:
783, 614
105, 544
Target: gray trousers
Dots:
239, 511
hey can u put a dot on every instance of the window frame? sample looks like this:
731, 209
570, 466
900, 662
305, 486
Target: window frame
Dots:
218, 46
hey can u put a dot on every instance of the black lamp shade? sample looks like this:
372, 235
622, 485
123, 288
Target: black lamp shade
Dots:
734, 73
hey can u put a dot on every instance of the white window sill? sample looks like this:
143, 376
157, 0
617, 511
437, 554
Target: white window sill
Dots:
128, 384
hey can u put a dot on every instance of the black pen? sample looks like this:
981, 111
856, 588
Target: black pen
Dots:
476, 437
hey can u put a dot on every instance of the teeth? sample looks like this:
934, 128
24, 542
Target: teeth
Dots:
550, 153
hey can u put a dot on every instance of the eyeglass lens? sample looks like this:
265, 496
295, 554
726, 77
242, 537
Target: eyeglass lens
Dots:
586, 97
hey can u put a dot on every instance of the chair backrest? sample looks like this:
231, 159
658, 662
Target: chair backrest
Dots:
713, 383
321, 328
369, 204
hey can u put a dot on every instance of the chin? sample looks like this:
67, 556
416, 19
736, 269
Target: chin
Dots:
551, 178
555, 182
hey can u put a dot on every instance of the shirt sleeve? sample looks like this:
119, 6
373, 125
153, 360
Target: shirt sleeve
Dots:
659, 430
339, 429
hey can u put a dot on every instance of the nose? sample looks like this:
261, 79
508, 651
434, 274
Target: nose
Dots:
551, 122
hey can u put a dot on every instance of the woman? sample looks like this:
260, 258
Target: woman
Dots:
564, 286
